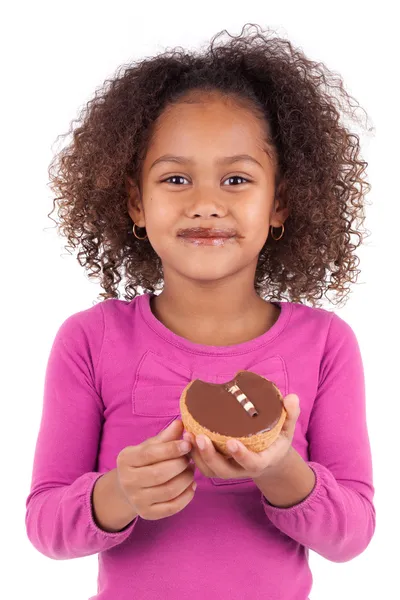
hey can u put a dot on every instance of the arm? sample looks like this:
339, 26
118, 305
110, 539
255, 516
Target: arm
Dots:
59, 510
289, 484
111, 510
336, 516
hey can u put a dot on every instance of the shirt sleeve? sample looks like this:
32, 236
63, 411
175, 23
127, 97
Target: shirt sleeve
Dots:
59, 517
337, 519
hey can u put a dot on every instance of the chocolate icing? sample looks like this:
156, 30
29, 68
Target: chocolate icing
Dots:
213, 407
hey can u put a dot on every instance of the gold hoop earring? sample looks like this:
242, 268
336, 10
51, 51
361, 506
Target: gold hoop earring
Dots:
272, 233
136, 235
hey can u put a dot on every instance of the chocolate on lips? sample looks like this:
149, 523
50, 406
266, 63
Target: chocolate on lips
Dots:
248, 407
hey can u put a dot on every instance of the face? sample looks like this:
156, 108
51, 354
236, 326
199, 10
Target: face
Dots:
207, 214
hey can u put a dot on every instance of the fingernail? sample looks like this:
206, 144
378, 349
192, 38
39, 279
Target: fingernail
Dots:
201, 442
233, 446
194, 485
184, 446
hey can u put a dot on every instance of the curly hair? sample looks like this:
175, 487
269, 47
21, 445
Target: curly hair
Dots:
319, 164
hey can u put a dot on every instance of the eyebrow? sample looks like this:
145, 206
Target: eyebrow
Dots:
225, 160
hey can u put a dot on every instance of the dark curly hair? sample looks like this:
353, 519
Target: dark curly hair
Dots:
319, 164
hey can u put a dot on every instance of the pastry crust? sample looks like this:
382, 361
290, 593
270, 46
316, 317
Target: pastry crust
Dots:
255, 443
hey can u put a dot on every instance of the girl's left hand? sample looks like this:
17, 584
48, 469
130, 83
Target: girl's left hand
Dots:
243, 463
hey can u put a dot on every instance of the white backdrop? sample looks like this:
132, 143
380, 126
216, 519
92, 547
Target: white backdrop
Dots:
53, 57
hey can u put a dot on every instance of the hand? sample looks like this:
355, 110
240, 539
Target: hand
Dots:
156, 477
243, 463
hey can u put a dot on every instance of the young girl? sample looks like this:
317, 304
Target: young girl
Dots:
215, 183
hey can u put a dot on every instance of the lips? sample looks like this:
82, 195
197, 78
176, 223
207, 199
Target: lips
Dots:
207, 236
206, 233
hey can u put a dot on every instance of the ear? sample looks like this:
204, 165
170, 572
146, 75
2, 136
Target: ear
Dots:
280, 212
134, 202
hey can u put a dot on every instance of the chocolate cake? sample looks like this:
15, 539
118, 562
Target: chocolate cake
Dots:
248, 408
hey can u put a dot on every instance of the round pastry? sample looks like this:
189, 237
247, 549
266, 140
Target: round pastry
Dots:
248, 408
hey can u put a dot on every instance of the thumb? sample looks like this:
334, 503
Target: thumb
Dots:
172, 432
292, 406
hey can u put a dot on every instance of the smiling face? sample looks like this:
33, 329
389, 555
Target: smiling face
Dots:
207, 169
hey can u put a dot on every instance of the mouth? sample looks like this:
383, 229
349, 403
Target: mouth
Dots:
207, 236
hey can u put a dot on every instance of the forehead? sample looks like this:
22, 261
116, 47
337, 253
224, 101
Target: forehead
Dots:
205, 124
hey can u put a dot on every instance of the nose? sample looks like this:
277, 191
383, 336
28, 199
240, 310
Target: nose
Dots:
205, 204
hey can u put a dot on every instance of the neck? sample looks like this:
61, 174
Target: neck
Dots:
217, 313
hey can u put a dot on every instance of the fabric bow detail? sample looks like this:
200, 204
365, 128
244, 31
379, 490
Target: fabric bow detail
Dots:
159, 381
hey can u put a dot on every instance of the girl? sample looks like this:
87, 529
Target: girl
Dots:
215, 183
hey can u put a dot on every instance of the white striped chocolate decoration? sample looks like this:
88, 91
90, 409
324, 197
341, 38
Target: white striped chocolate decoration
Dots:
242, 399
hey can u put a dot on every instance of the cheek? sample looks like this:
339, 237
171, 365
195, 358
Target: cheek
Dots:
161, 217
254, 220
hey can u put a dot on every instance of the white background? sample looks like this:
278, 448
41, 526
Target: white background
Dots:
53, 58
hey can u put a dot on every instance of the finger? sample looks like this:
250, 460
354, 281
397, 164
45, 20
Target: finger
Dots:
213, 459
172, 432
167, 509
170, 489
245, 458
150, 454
189, 437
158, 474
233, 470
200, 464
196, 456
256, 461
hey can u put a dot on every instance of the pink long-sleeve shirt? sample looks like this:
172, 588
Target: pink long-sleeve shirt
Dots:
113, 379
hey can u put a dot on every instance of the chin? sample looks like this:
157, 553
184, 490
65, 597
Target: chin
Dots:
206, 269
207, 274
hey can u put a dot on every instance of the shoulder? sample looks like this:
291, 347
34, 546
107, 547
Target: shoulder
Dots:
89, 324
328, 324
334, 337
340, 341
94, 317
84, 322
81, 336
108, 322
322, 316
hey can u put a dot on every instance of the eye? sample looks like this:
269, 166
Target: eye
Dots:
173, 177
238, 177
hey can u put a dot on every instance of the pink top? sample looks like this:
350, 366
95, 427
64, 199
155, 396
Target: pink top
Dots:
114, 377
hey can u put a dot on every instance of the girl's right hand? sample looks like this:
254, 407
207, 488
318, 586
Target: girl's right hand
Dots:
156, 476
